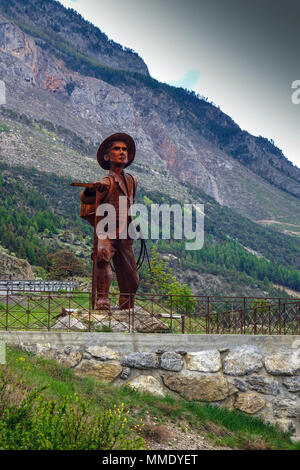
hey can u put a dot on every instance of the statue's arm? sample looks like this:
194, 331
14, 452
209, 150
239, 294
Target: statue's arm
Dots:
88, 195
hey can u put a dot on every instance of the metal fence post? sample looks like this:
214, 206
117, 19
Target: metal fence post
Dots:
152, 314
171, 311
6, 322
243, 323
182, 324
131, 306
90, 314
28, 313
207, 315
49, 311
279, 315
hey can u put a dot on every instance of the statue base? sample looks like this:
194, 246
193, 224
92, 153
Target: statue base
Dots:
125, 320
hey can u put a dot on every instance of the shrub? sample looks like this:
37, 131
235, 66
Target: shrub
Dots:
261, 307
37, 424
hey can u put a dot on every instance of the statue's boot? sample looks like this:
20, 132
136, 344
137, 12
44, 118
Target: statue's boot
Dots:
103, 303
126, 301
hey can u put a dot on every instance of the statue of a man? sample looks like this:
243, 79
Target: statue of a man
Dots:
115, 153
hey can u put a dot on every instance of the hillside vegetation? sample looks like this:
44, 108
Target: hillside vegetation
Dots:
39, 213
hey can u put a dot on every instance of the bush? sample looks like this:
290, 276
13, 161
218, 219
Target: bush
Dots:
261, 306
37, 424
64, 263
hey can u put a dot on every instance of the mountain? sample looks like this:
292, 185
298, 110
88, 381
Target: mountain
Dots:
61, 68
69, 86
188, 136
68, 26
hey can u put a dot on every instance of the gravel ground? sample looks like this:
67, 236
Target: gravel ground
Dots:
168, 436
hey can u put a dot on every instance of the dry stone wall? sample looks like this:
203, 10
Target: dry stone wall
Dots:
246, 377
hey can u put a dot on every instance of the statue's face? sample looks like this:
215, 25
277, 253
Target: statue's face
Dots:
117, 154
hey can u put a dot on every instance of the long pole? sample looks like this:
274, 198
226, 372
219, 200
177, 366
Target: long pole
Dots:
95, 270
94, 186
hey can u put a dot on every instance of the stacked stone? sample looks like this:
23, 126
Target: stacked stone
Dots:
242, 378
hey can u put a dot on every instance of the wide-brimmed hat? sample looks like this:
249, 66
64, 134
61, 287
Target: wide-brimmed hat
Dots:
106, 143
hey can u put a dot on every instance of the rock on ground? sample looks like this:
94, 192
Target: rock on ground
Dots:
249, 402
204, 361
147, 383
104, 371
68, 323
242, 361
263, 384
141, 360
103, 353
198, 387
283, 363
171, 361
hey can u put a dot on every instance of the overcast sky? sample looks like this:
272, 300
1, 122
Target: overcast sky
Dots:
242, 54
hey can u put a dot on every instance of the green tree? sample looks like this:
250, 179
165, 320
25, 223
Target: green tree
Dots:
163, 281
64, 263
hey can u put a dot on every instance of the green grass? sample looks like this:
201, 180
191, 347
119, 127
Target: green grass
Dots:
31, 311
223, 427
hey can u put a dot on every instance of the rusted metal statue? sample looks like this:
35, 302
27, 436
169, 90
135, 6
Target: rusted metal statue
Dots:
114, 154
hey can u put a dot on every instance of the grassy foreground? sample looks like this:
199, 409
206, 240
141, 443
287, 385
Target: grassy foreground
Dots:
83, 413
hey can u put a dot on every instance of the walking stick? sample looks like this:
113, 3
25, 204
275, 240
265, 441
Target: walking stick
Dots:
95, 186
95, 270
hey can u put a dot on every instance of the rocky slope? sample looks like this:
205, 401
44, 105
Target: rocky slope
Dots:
171, 129
14, 268
189, 136
68, 25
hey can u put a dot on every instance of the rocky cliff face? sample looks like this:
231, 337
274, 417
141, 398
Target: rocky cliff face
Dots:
67, 25
263, 158
175, 132
14, 268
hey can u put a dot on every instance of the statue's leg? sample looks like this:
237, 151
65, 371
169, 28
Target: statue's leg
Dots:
104, 273
126, 272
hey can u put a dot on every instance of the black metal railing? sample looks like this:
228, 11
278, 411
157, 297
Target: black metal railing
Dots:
151, 313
